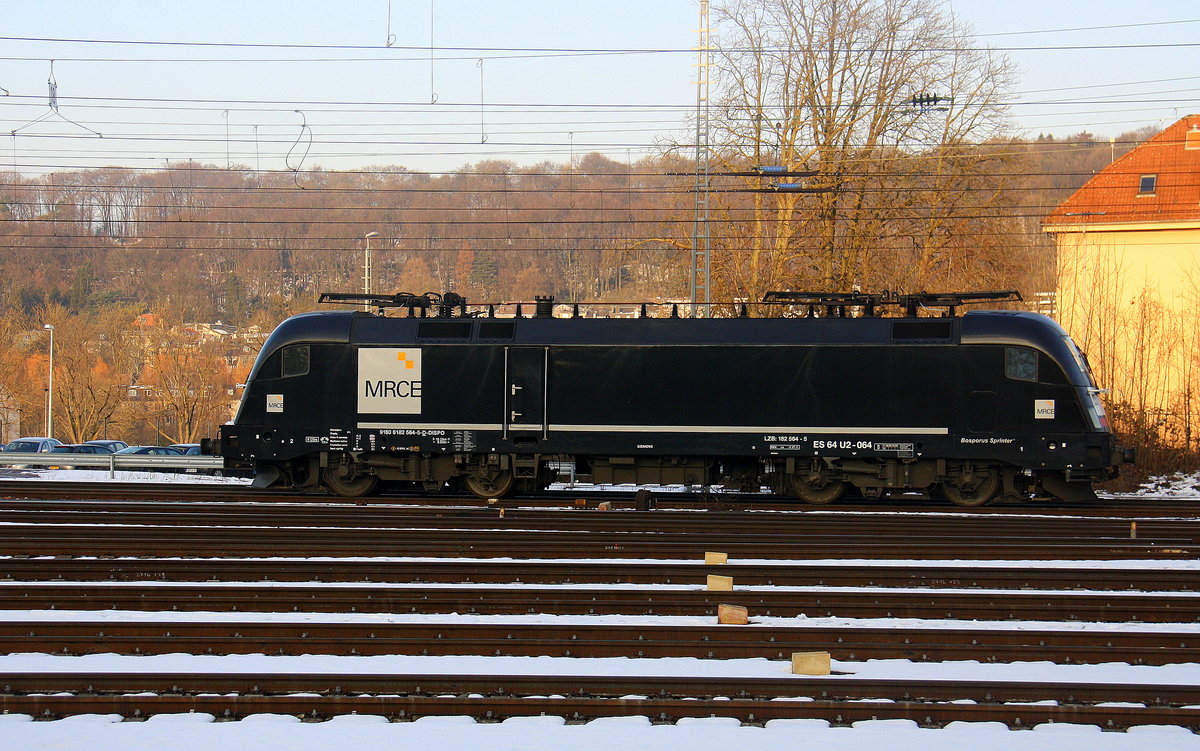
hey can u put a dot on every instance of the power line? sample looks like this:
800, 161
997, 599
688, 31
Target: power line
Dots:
476, 52
1088, 28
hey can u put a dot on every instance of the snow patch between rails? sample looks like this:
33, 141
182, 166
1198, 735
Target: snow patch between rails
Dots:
1182, 674
200, 732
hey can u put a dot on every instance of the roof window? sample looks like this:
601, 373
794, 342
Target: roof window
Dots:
1147, 185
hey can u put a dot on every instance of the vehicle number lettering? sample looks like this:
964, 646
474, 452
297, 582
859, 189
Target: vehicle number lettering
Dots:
414, 432
841, 444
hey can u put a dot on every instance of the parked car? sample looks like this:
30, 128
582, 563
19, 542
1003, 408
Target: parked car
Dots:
30, 445
111, 444
193, 449
77, 448
149, 451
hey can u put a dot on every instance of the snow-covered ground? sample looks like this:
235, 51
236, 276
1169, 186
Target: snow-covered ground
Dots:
120, 475
272, 732
850, 624
1187, 674
198, 732
1179, 485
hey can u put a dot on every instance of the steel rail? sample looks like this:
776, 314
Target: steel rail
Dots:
485, 599
72, 539
805, 524
83, 636
962, 575
749, 711
836, 687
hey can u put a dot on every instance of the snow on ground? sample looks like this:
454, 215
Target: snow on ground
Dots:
198, 732
679, 667
120, 475
1177, 485
533, 619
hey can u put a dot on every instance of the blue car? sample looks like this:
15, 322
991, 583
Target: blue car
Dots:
149, 451
77, 448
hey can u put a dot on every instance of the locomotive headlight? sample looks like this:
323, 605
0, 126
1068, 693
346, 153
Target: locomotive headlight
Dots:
1052, 445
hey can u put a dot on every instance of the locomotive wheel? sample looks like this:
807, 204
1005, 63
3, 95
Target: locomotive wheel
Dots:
490, 485
819, 493
977, 493
352, 486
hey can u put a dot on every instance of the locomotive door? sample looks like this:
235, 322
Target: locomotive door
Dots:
525, 390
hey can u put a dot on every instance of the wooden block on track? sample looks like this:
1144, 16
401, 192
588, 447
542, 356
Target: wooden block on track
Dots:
716, 558
720, 583
733, 614
810, 663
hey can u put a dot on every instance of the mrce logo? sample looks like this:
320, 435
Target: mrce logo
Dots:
389, 380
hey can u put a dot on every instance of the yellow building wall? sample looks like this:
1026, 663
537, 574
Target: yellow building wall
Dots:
1129, 295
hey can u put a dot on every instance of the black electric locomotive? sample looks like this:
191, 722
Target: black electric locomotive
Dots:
968, 407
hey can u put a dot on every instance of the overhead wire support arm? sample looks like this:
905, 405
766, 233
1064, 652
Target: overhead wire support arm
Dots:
790, 188
52, 85
756, 172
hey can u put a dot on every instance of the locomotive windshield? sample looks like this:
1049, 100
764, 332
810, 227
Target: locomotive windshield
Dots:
1091, 402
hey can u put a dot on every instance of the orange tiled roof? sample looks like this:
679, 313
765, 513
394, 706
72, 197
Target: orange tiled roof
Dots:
1115, 195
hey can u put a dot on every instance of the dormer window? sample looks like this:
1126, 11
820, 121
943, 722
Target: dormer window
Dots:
1147, 185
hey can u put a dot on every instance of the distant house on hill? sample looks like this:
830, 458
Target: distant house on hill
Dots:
216, 330
1128, 245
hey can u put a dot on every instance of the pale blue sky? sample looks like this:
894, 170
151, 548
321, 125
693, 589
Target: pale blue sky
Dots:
152, 107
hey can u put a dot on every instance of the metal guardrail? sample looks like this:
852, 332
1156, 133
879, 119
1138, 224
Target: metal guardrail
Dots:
111, 462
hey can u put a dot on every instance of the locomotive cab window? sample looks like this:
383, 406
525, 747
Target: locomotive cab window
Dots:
1020, 363
295, 360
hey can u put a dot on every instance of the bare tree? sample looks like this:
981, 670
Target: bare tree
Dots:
91, 363
191, 383
868, 94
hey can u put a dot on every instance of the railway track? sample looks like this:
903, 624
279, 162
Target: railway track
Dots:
583, 600
79, 636
694, 521
449, 571
507, 538
494, 698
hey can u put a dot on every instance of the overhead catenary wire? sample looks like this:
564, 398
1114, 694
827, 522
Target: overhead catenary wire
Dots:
476, 50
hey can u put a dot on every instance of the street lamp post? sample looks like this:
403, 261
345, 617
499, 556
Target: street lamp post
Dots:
50, 386
367, 266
